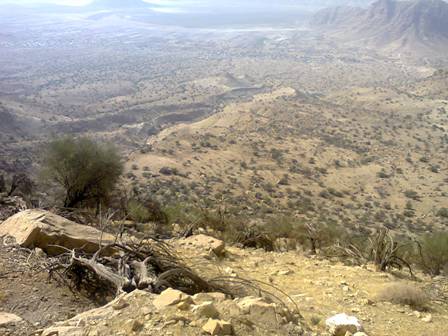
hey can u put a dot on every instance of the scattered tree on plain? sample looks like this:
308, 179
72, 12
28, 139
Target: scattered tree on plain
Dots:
87, 171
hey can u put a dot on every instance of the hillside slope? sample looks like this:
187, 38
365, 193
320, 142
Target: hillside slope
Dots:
406, 26
360, 157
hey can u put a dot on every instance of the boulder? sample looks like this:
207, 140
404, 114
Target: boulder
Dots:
170, 297
218, 327
7, 318
340, 324
42, 229
207, 243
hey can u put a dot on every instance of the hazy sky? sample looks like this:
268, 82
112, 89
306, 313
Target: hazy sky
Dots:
62, 2
66, 2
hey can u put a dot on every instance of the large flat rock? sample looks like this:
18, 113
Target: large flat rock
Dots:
40, 228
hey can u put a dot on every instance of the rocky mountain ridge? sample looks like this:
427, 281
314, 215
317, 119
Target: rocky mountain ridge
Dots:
418, 26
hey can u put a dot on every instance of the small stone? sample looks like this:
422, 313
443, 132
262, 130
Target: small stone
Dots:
218, 327
120, 304
259, 311
205, 297
39, 252
360, 333
285, 272
184, 305
170, 297
207, 243
136, 326
367, 302
206, 309
427, 318
194, 324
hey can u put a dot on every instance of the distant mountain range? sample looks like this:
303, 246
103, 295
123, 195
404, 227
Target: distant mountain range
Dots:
406, 26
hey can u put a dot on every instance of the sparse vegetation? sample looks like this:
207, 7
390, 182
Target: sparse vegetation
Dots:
405, 294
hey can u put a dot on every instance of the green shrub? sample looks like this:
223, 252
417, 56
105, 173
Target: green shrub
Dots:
138, 212
86, 171
433, 252
443, 213
412, 194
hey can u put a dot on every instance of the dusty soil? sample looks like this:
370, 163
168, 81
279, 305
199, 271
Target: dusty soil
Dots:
25, 290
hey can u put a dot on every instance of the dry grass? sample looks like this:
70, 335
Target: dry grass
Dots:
405, 294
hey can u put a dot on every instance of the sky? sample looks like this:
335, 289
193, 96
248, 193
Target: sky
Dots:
168, 3
65, 2
61, 2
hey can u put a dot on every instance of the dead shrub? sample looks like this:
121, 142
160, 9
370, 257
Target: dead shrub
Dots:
405, 294
381, 248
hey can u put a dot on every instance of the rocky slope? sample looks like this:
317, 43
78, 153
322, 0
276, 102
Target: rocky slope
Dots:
417, 27
321, 290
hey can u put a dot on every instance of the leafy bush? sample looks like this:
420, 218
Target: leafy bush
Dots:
412, 194
443, 213
433, 252
405, 294
86, 170
315, 236
138, 212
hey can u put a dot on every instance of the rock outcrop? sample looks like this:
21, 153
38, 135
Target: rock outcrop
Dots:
45, 230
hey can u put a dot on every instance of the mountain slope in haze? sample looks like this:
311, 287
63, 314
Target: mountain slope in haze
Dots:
419, 27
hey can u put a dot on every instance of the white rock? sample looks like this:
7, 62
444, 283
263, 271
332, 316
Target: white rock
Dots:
427, 318
340, 324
